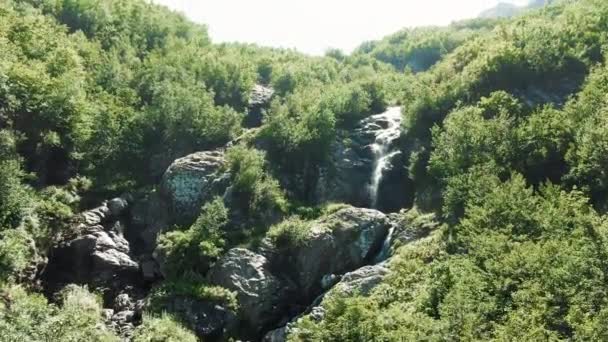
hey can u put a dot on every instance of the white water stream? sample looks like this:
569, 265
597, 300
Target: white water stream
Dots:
385, 136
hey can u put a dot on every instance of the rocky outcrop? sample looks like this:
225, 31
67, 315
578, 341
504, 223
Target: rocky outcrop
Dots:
209, 320
259, 98
343, 241
261, 295
191, 181
148, 217
361, 281
274, 284
124, 315
348, 176
99, 255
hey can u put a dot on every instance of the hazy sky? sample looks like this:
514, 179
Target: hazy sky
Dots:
312, 26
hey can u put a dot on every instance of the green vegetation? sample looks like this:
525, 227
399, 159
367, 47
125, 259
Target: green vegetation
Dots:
192, 285
292, 232
194, 249
505, 138
28, 317
260, 195
162, 329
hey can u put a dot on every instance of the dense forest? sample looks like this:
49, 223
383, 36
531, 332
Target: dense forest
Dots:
157, 186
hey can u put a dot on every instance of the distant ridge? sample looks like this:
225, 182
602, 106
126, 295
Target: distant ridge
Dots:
507, 10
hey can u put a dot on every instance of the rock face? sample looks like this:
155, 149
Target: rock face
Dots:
353, 164
99, 256
361, 281
340, 242
260, 294
258, 100
191, 181
272, 285
148, 217
208, 320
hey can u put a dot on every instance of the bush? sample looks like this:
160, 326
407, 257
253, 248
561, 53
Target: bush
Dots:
291, 233
17, 252
195, 249
28, 317
162, 329
15, 198
256, 191
194, 286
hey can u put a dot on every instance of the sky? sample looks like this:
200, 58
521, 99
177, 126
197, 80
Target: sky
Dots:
313, 26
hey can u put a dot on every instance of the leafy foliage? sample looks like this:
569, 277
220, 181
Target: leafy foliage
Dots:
194, 249
28, 317
161, 329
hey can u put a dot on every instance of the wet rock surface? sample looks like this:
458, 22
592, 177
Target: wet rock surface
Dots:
344, 241
354, 160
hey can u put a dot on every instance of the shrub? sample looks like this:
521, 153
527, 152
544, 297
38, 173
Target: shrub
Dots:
15, 198
292, 232
17, 252
194, 286
28, 317
194, 249
257, 192
162, 329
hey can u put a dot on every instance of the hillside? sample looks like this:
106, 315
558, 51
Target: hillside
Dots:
442, 183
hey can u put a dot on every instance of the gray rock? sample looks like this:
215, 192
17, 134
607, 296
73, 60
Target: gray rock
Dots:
149, 216
276, 335
117, 206
107, 314
191, 181
261, 295
123, 302
208, 320
362, 280
348, 174
98, 257
259, 98
343, 241
124, 317
108, 211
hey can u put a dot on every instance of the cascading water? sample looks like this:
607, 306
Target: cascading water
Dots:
381, 147
388, 130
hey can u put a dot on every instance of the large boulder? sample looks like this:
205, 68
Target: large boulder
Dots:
99, 255
259, 98
209, 320
261, 295
360, 281
191, 181
338, 243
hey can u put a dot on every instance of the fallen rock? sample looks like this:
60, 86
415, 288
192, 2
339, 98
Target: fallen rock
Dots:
362, 280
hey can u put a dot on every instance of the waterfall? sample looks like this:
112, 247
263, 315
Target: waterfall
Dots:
389, 130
